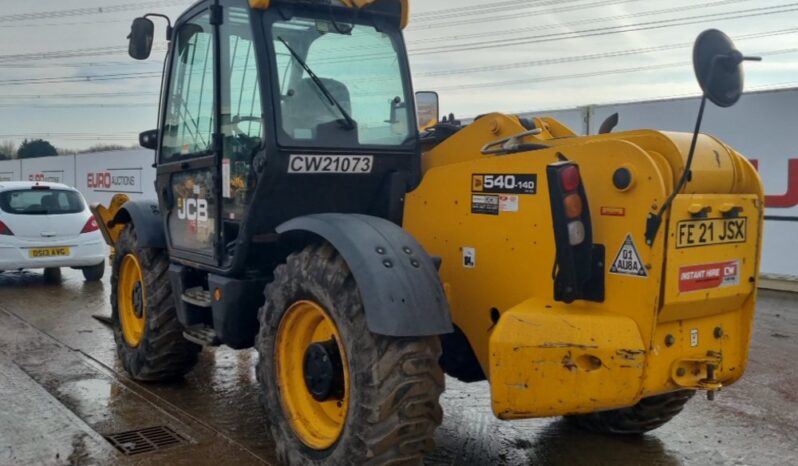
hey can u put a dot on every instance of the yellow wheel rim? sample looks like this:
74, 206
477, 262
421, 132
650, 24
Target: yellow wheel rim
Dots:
131, 300
318, 424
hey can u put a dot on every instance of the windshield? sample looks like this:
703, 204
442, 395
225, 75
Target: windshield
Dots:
41, 202
340, 84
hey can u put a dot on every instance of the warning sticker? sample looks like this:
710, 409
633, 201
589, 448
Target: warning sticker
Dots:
508, 203
469, 258
483, 204
613, 211
709, 276
628, 261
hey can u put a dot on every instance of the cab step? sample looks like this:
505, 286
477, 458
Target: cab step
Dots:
198, 296
201, 335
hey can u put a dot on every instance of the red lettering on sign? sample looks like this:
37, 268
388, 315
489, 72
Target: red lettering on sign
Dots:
709, 276
100, 180
790, 198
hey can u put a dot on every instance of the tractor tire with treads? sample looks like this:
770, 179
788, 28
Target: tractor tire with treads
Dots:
386, 408
648, 414
149, 338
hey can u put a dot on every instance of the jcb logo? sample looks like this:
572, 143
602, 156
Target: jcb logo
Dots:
192, 209
477, 183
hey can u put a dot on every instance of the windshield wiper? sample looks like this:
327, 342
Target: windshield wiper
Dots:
350, 123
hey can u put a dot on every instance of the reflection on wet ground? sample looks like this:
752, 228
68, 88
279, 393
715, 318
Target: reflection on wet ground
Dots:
46, 330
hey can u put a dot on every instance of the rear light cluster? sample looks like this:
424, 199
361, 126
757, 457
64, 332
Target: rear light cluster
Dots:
91, 225
579, 269
4, 230
573, 204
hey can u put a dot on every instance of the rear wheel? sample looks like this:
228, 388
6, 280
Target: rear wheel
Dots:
52, 274
149, 338
94, 273
648, 414
335, 393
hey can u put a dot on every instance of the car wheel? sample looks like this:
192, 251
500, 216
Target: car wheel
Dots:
94, 273
52, 275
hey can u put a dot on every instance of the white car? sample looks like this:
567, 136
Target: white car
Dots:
48, 226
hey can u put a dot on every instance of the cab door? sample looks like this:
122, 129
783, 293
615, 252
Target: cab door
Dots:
189, 156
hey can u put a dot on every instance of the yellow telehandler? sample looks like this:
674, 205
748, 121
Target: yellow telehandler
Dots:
301, 212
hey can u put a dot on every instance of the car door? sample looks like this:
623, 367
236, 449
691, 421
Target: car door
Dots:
188, 155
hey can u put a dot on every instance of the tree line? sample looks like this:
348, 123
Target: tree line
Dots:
32, 148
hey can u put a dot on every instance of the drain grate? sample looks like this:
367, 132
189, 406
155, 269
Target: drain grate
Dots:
136, 442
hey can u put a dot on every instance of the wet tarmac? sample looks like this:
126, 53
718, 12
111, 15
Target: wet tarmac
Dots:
62, 391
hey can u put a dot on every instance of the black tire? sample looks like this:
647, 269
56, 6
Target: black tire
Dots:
94, 273
648, 414
395, 383
52, 275
162, 354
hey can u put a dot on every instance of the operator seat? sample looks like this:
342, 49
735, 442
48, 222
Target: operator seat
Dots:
308, 108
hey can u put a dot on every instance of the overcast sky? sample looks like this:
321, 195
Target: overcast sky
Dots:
481, 55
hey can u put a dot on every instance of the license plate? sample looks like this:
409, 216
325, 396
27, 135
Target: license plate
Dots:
331, 164
59, 251
705, 232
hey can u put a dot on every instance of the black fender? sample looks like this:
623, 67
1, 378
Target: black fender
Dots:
398, 281
146, 216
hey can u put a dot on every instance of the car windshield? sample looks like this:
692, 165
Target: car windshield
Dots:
340, 84
41, 202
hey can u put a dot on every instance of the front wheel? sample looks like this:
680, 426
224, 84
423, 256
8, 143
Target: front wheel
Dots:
335, 393
648, 414
149, 338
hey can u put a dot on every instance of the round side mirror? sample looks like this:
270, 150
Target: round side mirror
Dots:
717, 65
141, 37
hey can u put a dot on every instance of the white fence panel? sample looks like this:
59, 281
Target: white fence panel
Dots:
57, 169
10, 170
103, 174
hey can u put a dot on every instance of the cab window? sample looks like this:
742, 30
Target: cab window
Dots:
189, 124
358, 96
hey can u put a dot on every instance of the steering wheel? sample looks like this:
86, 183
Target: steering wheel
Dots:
243, 119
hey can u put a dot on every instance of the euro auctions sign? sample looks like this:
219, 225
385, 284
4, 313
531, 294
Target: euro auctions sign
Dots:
126, 180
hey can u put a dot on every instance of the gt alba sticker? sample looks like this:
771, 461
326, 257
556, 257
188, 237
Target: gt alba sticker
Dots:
628, 261
331, 164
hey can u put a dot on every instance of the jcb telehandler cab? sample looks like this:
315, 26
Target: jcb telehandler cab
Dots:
300, 211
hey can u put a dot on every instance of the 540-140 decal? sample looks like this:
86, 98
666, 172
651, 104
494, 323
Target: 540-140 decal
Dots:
504, 183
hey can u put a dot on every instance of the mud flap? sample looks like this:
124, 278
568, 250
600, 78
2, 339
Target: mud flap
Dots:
398, 281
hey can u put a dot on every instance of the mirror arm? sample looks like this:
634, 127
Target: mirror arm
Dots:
169, 28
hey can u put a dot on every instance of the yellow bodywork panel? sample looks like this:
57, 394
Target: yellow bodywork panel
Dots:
596, 358
405, 4
104, 215
656, 331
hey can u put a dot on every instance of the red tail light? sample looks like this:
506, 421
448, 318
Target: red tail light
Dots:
4, 230
570, 178
91, 225
579, 270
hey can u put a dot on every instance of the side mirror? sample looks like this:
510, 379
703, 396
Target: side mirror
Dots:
427, 109
141, 37
717, 64
149, 139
